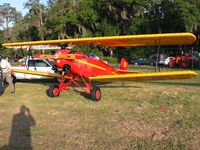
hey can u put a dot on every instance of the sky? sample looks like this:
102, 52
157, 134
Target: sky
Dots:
18, 4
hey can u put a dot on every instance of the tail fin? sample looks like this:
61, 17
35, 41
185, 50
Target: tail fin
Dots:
123, 64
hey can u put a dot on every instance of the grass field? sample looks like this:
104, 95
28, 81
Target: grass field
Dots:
141, 115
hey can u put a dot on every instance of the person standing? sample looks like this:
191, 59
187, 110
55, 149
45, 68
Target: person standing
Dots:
7, 70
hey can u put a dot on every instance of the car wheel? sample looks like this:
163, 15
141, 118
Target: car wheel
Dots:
184, 64
171, 63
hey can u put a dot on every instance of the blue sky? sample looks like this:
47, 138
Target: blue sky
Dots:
18, 4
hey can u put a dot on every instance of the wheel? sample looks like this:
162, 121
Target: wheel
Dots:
171, 63
53, 91
96, 93
184, 64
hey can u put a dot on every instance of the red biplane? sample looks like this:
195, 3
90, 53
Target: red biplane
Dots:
76, 66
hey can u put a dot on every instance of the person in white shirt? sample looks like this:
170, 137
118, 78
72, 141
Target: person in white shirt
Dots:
7, 70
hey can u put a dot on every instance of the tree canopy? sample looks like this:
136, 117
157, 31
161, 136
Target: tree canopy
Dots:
61, 19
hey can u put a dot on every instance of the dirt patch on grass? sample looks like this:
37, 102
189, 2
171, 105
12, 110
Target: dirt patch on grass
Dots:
196, 140
4, 134
140, 130
144, 106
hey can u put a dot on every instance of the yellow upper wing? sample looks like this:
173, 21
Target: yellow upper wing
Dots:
146, 76
127, 40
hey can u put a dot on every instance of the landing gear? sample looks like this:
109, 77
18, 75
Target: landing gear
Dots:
53, 91
93, 91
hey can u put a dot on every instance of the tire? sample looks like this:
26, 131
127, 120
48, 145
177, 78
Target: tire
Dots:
185, 64
171, 63
95, 93
53, 91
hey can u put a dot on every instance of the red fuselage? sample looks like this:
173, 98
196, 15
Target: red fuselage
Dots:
84, 65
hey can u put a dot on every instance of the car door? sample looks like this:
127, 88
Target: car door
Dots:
38, 65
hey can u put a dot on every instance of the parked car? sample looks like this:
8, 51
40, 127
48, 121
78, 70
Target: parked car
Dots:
164, 61
142, 61
34, 64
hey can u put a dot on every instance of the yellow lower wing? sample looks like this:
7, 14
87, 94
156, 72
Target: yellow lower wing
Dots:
146, 76
40, 73
124, 77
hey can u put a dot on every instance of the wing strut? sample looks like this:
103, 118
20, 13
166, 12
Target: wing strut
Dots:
192, 58
157, 57
91, 90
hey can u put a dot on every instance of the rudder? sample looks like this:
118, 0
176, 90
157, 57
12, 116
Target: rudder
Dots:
123, 64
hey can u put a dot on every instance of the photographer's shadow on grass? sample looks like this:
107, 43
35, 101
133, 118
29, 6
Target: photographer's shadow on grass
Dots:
20, 136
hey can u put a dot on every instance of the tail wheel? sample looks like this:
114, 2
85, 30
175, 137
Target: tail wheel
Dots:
171, 63
53, 91
96, 93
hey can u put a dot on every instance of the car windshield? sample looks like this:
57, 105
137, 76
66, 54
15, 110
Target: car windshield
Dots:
50, 62
93, 55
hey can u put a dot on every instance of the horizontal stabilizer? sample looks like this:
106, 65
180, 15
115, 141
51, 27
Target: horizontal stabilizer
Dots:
146, 76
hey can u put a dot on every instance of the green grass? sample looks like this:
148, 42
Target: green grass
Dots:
141, 115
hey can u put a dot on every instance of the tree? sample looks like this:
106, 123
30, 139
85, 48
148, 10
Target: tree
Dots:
8, 15
61, 21
171, 16
85, 18
37, 15
118, 17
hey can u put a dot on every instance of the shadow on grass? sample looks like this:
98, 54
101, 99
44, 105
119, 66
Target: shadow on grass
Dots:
119, 86
20, 136
85, 95
38, 81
